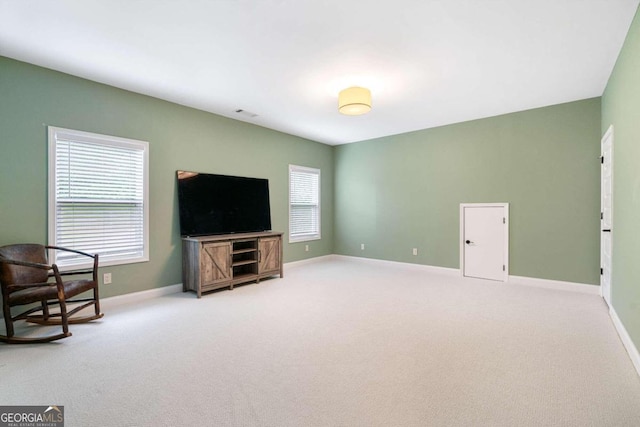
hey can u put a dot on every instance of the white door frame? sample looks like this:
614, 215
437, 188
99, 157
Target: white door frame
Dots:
606, 295
506, 234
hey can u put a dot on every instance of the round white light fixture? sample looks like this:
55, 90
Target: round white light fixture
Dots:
354, 101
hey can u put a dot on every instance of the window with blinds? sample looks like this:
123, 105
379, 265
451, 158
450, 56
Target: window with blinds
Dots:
98, 187
304, 203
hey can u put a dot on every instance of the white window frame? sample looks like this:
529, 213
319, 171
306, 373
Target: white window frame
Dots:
316, 235
56, 133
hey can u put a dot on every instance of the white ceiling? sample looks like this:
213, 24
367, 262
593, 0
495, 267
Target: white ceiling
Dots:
428, 63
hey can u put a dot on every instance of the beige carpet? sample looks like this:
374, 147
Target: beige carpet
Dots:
339, 343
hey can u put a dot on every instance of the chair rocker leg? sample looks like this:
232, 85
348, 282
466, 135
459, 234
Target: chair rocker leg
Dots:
10, 338
55, 319
35, 340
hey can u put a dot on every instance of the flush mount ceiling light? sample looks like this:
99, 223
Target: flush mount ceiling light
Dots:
354, 101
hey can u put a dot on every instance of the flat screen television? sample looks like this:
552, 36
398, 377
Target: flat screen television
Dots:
222, 204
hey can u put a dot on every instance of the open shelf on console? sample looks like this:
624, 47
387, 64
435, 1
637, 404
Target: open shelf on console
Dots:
245, 262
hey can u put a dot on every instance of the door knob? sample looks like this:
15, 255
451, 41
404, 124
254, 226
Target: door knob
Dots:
468, 242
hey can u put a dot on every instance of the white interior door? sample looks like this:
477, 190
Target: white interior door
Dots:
484, 249
606, 213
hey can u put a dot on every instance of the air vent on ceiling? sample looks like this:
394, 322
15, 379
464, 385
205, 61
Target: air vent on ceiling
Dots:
246, 113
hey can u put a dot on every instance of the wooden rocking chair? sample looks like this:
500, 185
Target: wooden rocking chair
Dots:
24, 280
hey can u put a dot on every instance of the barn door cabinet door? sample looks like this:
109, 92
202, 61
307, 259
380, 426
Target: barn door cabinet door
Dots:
269, 256
215, 264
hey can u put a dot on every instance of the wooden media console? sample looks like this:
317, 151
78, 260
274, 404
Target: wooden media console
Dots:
219, 261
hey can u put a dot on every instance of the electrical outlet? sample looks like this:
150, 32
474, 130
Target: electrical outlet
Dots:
306, 248
106, 278
415, 251
362, 246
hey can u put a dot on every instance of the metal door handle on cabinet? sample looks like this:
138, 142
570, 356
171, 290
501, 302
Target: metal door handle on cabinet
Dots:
468, 242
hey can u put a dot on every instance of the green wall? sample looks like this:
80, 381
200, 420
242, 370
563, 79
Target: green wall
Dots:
392, 194
621, 108
179, 138
402, 192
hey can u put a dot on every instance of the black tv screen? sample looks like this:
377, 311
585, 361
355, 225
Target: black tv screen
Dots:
222, 204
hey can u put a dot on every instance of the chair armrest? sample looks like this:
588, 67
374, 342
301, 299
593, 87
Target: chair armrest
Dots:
58, 275
60, 248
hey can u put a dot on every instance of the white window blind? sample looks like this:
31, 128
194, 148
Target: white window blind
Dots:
97, 197
304, 203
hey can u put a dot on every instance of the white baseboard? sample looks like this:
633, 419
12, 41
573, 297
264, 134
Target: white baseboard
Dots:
118, 300
424, 267
307, 261
626, 340
555, 284
516, 280
133, 297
